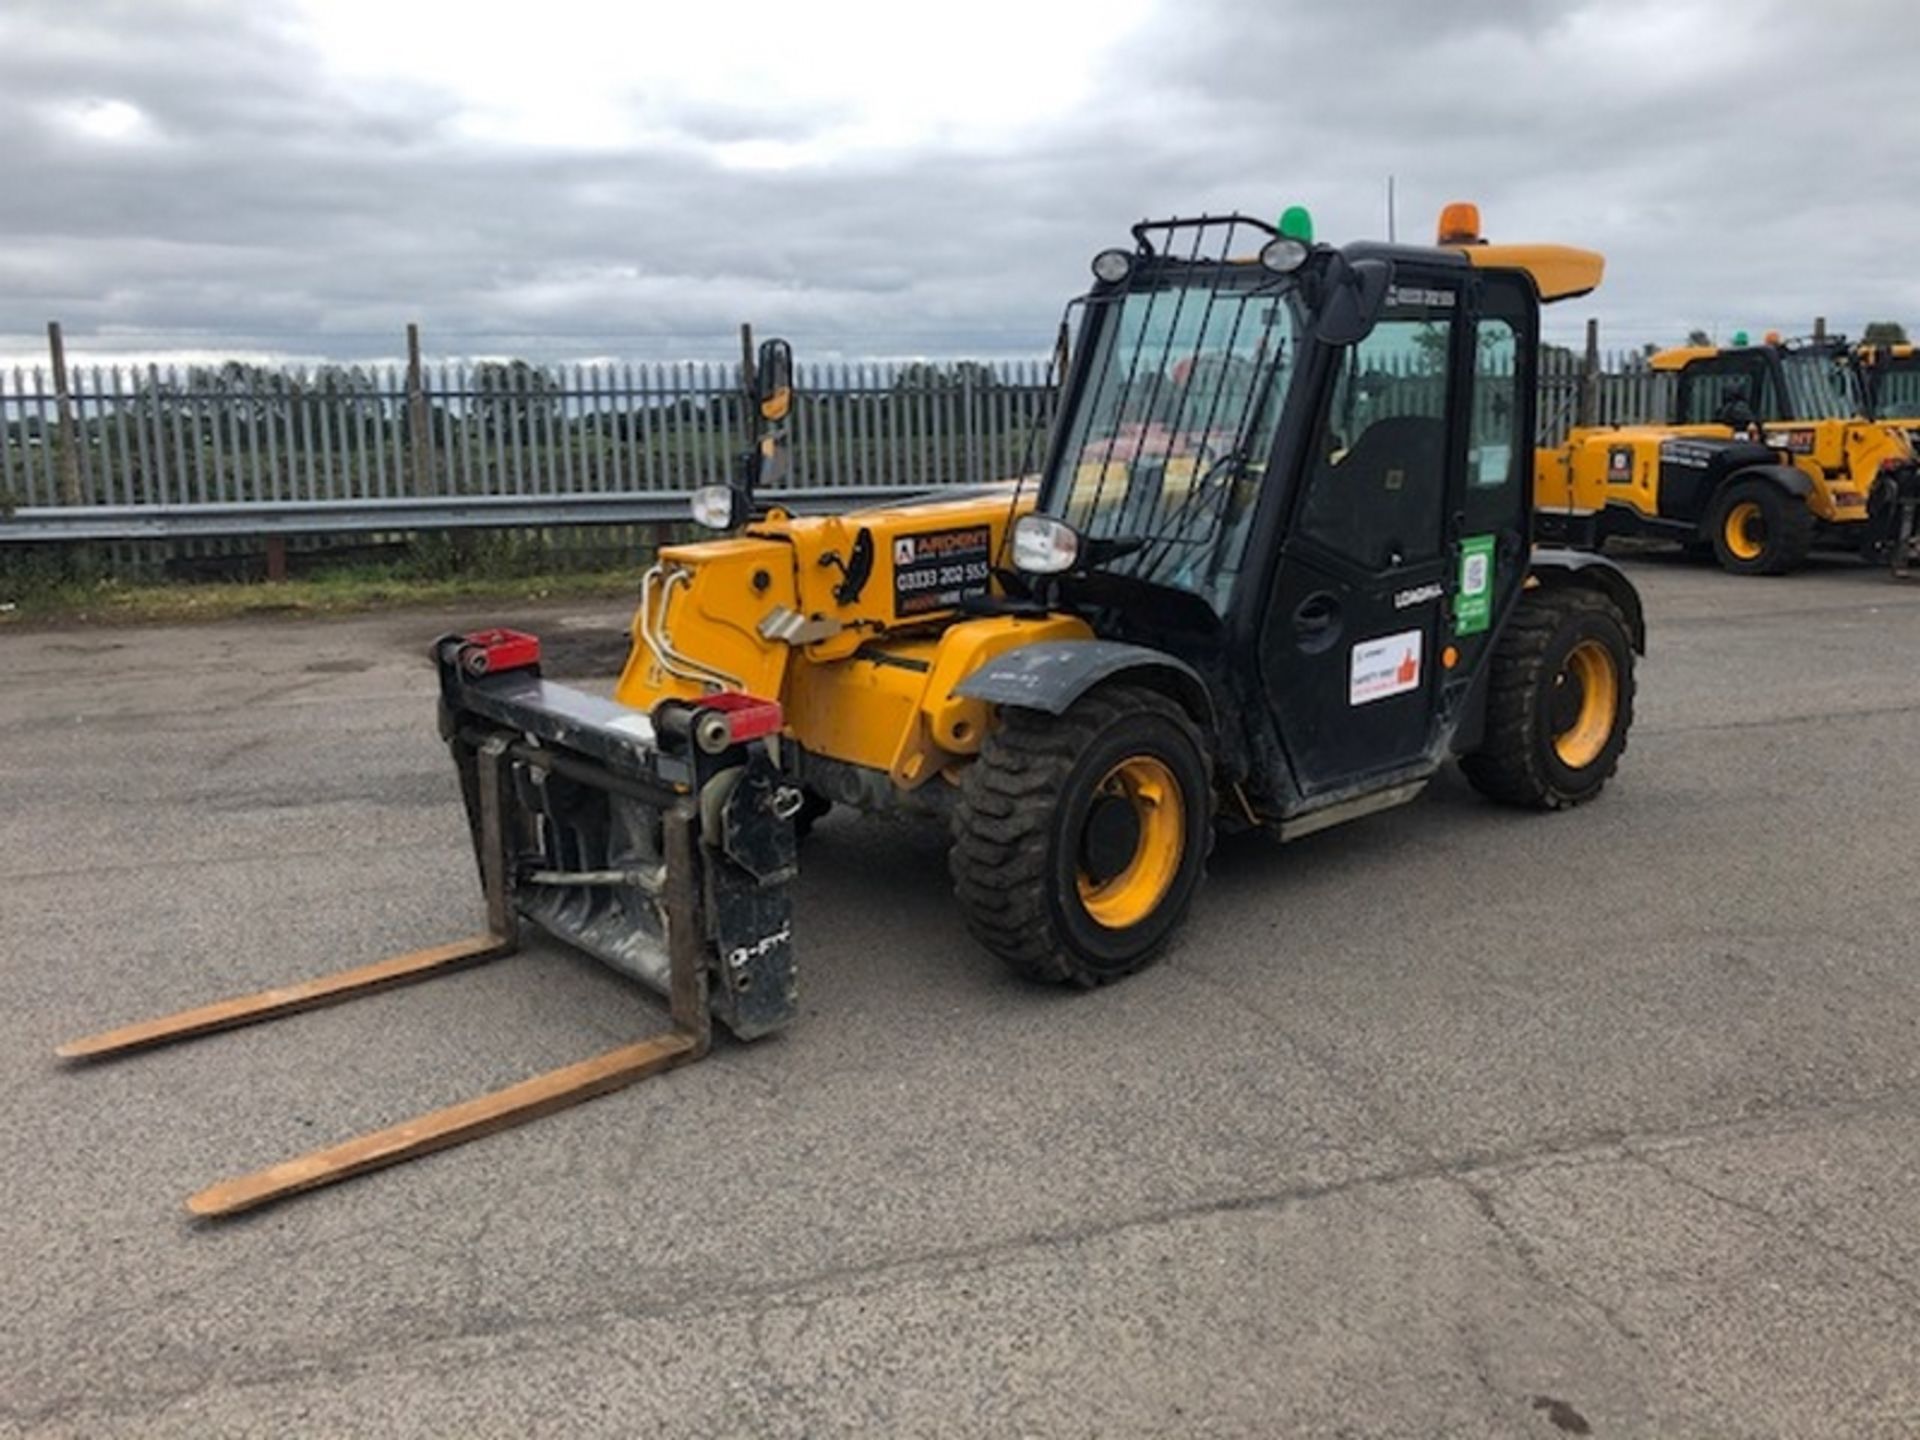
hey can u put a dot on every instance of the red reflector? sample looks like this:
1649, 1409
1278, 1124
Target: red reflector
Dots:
489, 652
748, 716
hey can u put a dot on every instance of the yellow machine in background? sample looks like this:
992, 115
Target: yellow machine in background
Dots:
1890, 383
1768, 451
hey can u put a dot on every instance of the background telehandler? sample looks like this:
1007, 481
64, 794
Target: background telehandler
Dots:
1890, 378
1273, 571
1770, 449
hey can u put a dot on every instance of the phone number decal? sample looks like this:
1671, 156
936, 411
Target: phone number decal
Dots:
937, 569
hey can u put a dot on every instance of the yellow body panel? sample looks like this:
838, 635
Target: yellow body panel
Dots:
709, 589
1559, 272
892, 705
858, 680
1842, 458
1581, 476
1681, 356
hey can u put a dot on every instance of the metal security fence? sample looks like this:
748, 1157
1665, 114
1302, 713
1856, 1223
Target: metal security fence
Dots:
105, 452
242, 435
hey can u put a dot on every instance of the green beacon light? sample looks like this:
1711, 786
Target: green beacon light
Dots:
1739, 338
1297, 224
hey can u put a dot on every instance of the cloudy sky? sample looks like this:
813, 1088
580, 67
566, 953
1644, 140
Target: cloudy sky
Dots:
633, 178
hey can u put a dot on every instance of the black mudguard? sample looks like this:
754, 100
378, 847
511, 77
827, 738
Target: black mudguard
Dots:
1551, 566
1050, 675
1790, 478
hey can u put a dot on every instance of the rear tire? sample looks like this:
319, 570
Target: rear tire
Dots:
1559, 701
1759, 529
1079, 839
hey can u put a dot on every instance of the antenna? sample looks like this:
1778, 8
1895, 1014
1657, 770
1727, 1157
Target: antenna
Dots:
1390, 234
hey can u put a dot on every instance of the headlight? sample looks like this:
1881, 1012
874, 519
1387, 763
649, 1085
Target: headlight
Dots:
714, 506
1112, 266
1044, 546
1284, 254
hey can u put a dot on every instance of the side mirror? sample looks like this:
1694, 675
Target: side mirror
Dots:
1352, 297
773, 380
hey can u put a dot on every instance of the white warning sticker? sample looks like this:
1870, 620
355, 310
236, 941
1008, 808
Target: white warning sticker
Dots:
1387, 666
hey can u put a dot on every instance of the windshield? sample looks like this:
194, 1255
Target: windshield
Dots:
1821, 386
1167, 441
1896, 389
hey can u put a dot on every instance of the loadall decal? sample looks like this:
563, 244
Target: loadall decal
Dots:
1473, 604
937, 569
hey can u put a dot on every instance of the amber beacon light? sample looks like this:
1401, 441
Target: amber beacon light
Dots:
1460, 224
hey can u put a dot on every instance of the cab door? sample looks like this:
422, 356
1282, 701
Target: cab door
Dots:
1490, 510
1352, 642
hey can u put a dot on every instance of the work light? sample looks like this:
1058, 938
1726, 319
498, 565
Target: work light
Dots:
1043, 545
715, 506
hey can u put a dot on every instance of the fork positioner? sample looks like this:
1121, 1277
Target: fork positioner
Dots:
660, 844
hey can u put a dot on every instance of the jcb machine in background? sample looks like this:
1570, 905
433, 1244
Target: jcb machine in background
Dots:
1769, 451
1890, 382
1890, 379
1273, 572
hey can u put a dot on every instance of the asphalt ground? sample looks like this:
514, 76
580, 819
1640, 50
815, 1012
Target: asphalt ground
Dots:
1454, 1121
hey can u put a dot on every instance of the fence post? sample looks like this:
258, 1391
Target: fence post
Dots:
69, 457
421, 449
1589, 377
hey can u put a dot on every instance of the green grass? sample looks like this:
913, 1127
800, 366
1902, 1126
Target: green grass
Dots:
82, 585
111, 602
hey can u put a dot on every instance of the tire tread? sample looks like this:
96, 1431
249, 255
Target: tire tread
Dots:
1002, 827
1508, 766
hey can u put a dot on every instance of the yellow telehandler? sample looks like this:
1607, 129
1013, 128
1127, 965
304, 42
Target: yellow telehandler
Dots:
1770, 450
1273, 571
1890, 380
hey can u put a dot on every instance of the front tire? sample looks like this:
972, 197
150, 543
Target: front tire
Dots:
1079, 839
1759, 529
1559, 701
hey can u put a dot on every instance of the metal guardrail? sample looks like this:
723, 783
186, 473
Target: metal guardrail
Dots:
66, 523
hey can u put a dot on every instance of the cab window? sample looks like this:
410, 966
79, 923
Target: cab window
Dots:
1375, 491
1499, 459
1725, 390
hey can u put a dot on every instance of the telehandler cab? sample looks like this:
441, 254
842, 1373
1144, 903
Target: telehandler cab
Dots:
1890, 377
1273, 571
1770, 450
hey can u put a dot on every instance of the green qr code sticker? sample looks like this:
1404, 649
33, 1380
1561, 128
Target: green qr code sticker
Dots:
1473, 601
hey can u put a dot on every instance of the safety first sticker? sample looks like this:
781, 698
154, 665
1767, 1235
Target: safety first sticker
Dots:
936, 569
1387, 666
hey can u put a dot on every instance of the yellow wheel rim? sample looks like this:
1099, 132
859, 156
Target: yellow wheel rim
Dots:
1591, 670
1159, 814
1745, 531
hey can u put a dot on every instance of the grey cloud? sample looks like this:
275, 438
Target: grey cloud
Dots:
1756, 179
